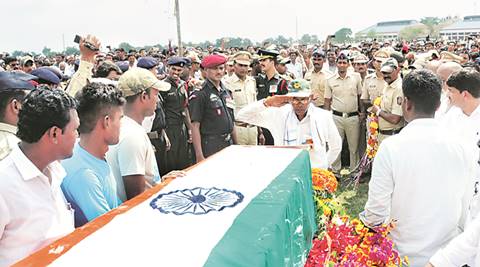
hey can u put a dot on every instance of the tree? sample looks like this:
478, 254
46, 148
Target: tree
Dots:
372, 34
47, 51
432, 25
344, 35
413, 32
126, 46
18, 53
306, 39
71, 50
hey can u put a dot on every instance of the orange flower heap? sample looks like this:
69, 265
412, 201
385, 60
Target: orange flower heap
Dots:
323, 180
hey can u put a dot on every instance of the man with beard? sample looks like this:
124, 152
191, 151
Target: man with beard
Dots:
318, 78
389, 112
269, 83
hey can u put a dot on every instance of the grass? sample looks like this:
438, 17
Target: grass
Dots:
357, 203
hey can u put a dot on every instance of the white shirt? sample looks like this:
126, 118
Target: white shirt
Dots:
464, 249
444, 105
133, 155
420, 179
33, 212
467, 127
286, 129
296, 69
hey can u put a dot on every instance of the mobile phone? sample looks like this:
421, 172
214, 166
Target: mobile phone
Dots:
86, 44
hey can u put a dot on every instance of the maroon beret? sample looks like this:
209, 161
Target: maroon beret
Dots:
211, 61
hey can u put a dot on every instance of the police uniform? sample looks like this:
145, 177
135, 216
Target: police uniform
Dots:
244, 92
344, 93
213, 109
158, 139
318, 82
372, 87
10, 82
392, 103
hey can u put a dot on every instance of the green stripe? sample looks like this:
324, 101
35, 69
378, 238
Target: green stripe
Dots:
276, 227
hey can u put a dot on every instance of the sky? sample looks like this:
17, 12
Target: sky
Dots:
30, 25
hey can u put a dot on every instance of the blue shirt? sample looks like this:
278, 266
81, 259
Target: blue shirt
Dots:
89, 186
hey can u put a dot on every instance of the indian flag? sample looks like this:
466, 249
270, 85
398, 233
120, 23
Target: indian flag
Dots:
244, 206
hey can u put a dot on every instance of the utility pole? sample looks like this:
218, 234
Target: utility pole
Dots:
179, 35
63, 41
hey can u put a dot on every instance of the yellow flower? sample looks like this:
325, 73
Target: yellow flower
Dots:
296, 85
377, 101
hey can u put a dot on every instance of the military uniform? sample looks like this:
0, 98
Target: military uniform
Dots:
244, 92
372, 87
213, 109
158, 139
344, 93
175, 102
392, 103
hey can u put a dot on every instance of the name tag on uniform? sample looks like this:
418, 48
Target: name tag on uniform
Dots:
273, 88
237, 90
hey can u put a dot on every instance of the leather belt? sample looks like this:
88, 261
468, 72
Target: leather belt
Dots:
390, 132
345, 114
226, 137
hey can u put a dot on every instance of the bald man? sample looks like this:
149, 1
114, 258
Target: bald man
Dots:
443, 72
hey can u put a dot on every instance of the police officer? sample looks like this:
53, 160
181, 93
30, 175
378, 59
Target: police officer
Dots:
211, 110
177, 115
390, 113
13, 89
156, 133
269, 83
374, 83
244, 92
342, 95
318, 78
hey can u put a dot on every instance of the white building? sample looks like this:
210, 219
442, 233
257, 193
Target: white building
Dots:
385, 30
462, 29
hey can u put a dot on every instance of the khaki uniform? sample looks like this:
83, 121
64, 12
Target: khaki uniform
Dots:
372, 87
318, 81
344, 95
244, 93
392, 98
8, 139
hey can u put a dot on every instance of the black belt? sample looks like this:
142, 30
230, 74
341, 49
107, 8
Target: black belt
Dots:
226, 137
345, 114
390, 132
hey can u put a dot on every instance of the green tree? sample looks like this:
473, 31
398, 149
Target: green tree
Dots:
432, 25
18, 53
71, 50
344, 35
126, 46
306, 39
47, 51
413, 32
372, 34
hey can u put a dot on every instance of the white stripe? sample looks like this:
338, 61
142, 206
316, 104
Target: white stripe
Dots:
145, 237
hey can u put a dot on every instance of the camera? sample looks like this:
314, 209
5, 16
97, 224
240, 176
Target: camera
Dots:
86, 44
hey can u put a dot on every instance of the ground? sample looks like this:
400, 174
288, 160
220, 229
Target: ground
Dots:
357, 203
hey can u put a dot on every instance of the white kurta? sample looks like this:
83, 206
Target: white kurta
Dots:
420, 179
287, 130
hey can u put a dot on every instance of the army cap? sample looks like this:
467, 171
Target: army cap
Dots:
389, 65
381, 55
264, 54
283, 60
147, 62
138, 80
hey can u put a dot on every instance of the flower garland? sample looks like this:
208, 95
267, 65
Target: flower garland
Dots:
343, 241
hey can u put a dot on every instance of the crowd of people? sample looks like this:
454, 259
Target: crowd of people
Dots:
80, 135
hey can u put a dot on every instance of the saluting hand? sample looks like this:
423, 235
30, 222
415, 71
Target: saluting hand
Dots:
276, 101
